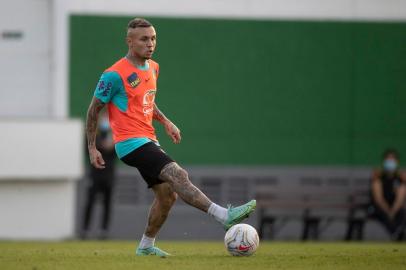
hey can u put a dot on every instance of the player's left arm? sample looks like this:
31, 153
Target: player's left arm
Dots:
171, 129
400, 195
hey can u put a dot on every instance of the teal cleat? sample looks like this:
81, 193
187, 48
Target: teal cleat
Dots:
151, 251
237, 214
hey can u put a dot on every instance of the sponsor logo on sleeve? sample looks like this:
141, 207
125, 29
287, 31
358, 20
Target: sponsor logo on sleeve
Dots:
104, 88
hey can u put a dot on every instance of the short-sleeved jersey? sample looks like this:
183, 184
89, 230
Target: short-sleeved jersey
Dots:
129, 92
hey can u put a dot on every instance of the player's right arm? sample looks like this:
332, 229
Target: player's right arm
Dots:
105, 90
400, 196
93, 111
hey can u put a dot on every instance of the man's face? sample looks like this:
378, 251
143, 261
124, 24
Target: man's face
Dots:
390, 163
142, 41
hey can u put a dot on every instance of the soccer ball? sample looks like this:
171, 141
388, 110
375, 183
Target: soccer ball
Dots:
241, 240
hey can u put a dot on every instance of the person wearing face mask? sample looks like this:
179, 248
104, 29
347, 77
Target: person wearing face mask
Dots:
388, 195
101, 181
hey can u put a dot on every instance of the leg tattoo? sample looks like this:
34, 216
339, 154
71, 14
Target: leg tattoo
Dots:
178, 178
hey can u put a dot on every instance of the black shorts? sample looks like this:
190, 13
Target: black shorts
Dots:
149, 159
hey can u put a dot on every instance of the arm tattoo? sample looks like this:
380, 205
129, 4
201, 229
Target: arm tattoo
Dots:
179, 180
159, 116
91, 122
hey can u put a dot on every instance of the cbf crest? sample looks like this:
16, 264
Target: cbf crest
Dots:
133, 80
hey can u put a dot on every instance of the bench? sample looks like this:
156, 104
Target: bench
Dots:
316, 203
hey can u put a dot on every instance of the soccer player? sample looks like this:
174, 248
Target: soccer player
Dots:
128, 88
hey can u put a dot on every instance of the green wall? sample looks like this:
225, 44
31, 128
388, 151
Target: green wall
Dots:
263, 92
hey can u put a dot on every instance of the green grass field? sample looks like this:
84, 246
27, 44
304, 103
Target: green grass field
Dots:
200, 255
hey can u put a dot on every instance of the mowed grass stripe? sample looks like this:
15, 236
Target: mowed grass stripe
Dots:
200, 255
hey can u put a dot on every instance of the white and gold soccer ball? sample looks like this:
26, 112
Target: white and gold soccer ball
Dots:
241, 240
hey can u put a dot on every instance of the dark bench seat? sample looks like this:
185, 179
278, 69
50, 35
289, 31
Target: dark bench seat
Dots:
317, 207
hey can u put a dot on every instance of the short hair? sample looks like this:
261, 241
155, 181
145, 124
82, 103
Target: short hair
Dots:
138, 22
391, 151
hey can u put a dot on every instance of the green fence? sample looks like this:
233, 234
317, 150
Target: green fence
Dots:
248, 92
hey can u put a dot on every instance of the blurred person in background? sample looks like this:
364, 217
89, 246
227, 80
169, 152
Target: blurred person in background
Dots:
388, 195
101, 181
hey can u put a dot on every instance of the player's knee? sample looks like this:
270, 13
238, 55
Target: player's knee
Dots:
167, 201
173, 173
170, 199
183, 174
173, 197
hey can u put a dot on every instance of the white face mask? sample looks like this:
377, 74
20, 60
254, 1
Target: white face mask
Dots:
390, 165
